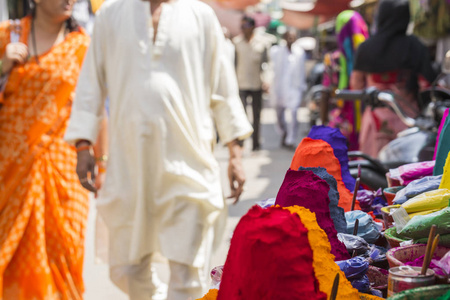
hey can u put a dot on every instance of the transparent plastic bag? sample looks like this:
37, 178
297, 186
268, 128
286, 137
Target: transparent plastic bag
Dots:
410, 172
417, 187
443, 263
370, 200
401, 218
216, 277
419, 226
367, 228
353, 242
266, 203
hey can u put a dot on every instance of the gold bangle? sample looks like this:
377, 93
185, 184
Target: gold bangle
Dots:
102, 158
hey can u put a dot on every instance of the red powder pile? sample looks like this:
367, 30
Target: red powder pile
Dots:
306, 189
269, 258
318, 153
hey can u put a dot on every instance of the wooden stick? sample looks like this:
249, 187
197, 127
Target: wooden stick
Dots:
355, 229
335, 287
430, 257
428, 249
355, 192
435, 244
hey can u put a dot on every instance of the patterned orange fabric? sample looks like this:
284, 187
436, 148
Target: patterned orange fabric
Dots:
43, 208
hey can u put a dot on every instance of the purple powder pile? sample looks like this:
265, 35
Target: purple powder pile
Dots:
304, 188
338, 142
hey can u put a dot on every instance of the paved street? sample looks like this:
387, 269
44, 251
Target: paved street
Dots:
265, 172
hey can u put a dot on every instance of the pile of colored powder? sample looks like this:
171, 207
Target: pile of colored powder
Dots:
441, 125
337, 213
363, 296
445, 181
318, 153
211, 295
269, 258
418, 262
443, 148
338, 142
324, 266
304, 188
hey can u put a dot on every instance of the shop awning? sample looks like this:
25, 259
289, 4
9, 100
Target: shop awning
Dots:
327, 8
304, 14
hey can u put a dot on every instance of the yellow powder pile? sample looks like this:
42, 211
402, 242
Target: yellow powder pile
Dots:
211, 295
369, 297
324, 266
445, 181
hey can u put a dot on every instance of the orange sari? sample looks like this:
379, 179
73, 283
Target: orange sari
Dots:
43, 208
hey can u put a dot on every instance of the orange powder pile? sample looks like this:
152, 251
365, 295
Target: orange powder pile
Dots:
318, 153
211, 295
324, 266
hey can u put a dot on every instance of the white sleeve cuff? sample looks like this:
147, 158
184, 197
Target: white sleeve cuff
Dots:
83, 126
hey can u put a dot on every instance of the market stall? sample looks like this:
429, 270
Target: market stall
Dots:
324, 236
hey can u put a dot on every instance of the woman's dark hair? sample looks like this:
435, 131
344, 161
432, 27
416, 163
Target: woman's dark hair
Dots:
71, 23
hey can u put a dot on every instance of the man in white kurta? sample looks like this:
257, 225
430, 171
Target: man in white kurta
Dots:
162, 191
289, 83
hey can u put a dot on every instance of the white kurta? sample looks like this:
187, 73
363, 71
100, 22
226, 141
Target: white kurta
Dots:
289, 80
162, 190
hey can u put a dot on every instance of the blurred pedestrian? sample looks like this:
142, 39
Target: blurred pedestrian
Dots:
166, 71
351, 31
251, 54
288, 85
391, 60
4, 13
43, 207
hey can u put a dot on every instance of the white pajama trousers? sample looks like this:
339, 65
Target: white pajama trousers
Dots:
186, 282
291, 128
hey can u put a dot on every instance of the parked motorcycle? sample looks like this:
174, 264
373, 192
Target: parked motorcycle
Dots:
414, 144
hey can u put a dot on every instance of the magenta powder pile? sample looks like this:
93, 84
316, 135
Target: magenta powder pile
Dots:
418, 262
304, 188
270, 258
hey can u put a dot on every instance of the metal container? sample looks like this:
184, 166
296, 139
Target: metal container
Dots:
398, 282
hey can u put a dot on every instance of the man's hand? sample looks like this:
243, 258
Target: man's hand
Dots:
236, 174
86, 166
236, 177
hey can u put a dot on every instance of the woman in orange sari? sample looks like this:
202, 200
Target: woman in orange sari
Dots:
43, 208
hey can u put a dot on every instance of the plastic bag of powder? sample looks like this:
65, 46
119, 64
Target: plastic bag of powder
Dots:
354, 268
353, 242
366, 229
419, 226
443, 263
417, 187
361, 284
413, 171
216, 277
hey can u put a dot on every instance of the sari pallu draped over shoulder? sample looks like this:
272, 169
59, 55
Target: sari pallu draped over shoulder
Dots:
43, 208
